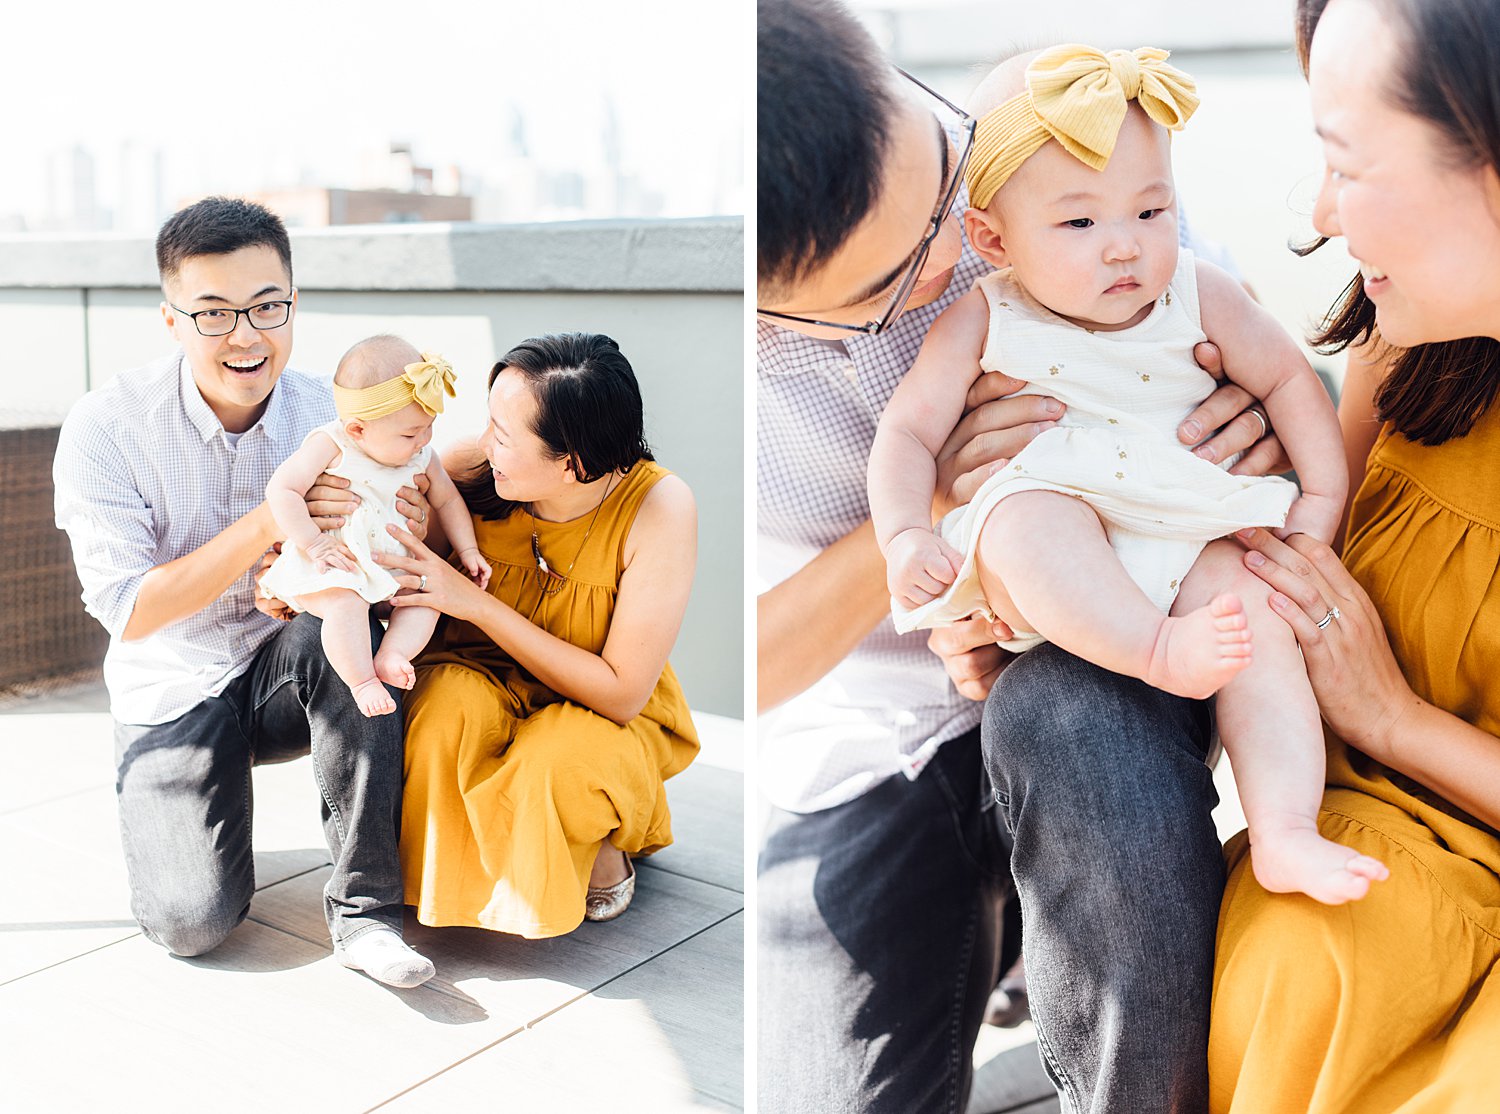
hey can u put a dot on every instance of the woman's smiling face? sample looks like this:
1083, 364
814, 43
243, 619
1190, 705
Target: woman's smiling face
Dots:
1424, 226
520, 463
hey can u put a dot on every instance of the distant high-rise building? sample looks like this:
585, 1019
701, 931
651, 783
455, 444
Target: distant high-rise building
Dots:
141, 197
72, 193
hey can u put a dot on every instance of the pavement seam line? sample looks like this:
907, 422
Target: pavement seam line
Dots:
528, 1026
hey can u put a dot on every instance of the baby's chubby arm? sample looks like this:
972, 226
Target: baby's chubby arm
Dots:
1261, 357
902, 472
458, 526
286, 495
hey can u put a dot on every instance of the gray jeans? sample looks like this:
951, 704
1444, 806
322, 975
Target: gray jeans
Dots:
1103, 789
879, 941
185, 797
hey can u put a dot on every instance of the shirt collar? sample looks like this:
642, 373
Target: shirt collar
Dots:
273, 421
204, 420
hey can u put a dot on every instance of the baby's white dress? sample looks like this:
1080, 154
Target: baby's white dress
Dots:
363, 532
1115, 447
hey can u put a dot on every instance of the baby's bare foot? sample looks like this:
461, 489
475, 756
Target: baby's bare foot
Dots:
395, 670
1199, 653
1299, 860
372, 698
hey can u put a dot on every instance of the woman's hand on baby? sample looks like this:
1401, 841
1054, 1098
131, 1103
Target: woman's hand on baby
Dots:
997, 424
1361, 691
1224, 418
476, 566
433, 581
919, 565
330, 502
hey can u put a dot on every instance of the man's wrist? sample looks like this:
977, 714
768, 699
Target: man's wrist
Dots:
268, 533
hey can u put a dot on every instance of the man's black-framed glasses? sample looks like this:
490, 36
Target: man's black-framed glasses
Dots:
221, 322
955, 119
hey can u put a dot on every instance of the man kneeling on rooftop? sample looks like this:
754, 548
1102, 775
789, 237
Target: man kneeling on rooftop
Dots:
160, 476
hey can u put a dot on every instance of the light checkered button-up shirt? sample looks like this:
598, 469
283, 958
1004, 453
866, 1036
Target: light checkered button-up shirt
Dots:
144, 474
887, 707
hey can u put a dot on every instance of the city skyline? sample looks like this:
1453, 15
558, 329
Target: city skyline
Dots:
559, 114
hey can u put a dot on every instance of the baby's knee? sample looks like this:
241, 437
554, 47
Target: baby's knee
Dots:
1221, 568
1027, 515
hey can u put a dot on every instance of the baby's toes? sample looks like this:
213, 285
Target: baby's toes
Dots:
1228, 613
1362, 866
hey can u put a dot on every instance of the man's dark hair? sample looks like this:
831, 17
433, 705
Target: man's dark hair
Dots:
588, 411
1449, 76
218, 226
823, 98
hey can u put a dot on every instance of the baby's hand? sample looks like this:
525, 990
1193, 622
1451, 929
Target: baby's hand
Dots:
476, 566
329, 553
1314, 515
918, 566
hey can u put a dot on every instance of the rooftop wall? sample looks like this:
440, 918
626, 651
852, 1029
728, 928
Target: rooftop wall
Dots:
77, 311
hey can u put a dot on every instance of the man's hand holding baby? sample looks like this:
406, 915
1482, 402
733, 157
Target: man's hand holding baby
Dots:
330, 503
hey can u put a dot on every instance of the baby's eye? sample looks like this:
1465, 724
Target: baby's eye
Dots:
1080, 222
1149, 213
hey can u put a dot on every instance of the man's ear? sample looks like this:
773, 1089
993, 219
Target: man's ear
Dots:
985, 237
169, 315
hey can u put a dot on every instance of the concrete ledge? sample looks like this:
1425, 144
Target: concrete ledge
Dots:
699, 255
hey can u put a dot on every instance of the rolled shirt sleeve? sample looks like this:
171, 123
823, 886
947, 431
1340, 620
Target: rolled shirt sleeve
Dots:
144, 475
107, 519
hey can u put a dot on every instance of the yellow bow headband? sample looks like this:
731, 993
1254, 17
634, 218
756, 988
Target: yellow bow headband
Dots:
1078, 96
424, 383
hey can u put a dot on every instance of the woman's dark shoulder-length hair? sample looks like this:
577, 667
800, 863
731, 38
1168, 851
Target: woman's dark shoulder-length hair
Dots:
1449, 75
588, 411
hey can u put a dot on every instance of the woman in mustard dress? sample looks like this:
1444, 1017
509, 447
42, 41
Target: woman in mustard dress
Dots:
1392, 1002
545, 717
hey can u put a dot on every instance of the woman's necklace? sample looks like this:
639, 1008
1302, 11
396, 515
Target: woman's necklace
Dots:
553, 580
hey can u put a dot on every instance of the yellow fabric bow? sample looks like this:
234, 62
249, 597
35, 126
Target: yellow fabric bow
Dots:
424, 383
1078, 96
430, 380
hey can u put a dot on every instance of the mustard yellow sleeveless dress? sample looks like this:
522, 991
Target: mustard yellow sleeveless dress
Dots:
1391, 1003
510, 787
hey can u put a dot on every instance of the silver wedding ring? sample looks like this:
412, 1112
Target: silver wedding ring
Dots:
423, 520
422, 587
1333, 613
1265, 427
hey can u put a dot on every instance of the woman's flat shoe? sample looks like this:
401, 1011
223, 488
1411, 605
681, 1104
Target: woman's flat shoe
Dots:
605, 903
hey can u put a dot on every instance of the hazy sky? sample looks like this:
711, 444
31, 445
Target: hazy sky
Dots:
310, 83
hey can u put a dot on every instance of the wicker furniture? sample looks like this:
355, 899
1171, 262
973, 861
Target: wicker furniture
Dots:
44, 631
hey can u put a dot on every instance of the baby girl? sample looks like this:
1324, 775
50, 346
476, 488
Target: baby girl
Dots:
386, 395
1099, 535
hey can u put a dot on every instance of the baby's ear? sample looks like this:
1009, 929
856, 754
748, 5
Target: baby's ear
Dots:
354, 428
983, 230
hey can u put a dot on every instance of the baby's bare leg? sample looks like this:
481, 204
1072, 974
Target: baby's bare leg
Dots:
1046, 565
346, 642
1268, 719
406, 634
